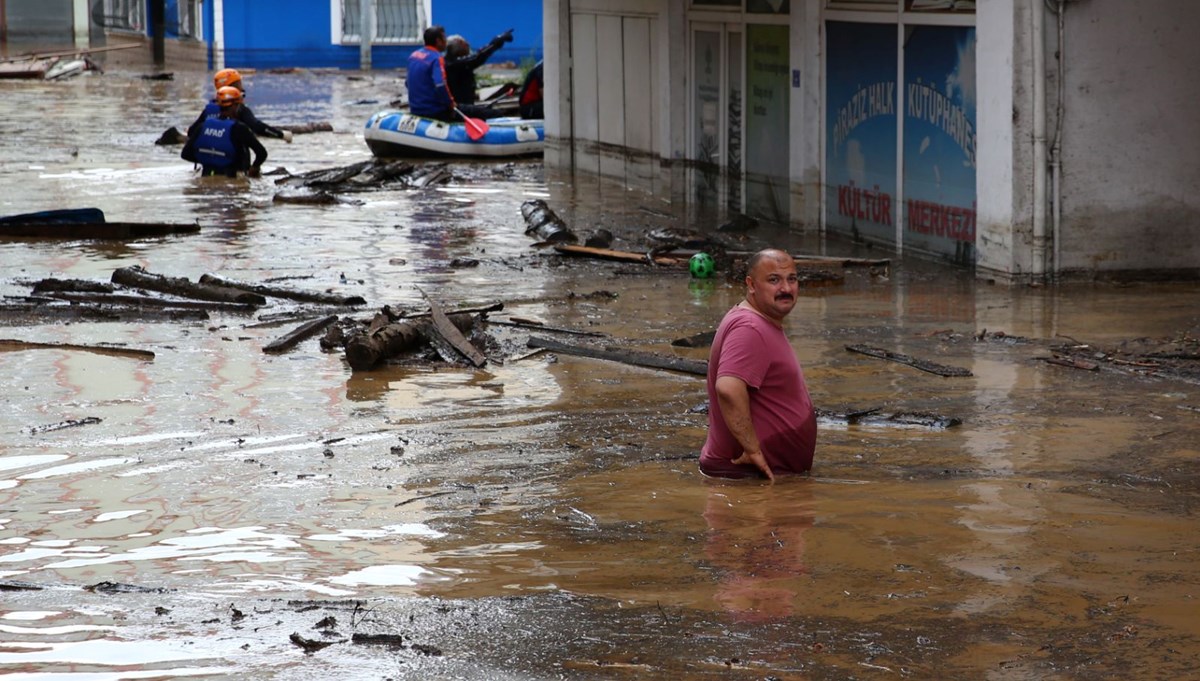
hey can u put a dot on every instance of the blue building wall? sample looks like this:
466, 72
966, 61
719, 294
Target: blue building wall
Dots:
297, 33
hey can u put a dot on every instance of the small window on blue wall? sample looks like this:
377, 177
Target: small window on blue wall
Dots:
395, 21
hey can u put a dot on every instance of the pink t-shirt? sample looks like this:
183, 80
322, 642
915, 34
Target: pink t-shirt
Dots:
750, 347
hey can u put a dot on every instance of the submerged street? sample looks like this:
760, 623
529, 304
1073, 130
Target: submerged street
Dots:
227, 513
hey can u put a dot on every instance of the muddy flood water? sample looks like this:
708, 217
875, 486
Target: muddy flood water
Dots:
221, 513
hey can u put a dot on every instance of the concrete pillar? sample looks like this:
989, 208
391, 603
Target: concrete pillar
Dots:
556, 40
997, 175
82, 25
675, 93
366, 32
806, 131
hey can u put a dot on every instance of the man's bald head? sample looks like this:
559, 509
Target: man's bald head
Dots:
768, 254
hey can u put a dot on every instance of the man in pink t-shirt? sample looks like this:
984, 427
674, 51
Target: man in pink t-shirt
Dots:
760, 417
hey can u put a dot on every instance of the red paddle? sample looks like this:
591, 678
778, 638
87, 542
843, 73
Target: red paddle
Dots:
476, 128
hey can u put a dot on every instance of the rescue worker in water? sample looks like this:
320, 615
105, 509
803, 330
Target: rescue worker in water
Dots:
222, 144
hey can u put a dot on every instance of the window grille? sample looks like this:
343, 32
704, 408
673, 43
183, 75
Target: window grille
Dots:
121, 15
396, 21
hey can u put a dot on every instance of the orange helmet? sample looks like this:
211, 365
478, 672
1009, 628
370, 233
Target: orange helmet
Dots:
226, 77
228, 96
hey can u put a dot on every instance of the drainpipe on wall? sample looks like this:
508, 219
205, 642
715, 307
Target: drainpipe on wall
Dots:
218, 42
1038, 265
366, 32
1056, 145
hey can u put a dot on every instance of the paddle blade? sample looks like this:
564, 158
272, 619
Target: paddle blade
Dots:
476, 128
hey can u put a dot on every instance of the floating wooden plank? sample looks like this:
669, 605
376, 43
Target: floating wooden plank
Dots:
619, 256
481, 309
287, 293
61, 425
147, 301
1072, 362
834, 261
923, 365
449, 332
308, 128
94, 230
24, 313
291, 339
631, 357
140, 278
13, 344
518, 323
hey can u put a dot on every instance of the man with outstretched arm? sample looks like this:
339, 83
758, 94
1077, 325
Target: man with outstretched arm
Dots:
760, 417
461, 63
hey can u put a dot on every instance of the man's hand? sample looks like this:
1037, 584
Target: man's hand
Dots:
287, 136
255, 171
505, 37
758, 460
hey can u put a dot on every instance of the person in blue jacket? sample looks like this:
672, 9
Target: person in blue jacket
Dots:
222, 144
231, 78
428, 93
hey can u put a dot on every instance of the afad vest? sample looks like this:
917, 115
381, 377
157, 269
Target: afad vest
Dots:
214, 146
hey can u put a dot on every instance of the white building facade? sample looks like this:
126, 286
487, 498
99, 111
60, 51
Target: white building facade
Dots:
1027, 139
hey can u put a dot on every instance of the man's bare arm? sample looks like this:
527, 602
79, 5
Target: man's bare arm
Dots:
734, 398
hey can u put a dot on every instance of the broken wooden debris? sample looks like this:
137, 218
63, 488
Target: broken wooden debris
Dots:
619, 256
696, 340
450, 333
14, 344
541, 221
666, 239
286, 293
300, 333
171, 136
601, 238
923, 365
367, 175
139, 278
310, 645
519, 323
1072, 362
62, 425
365, 350
875, 417
148, 301
306, 197
94, 230
478, 309
122, 588
97, 313
73, 285
394, 640
834, 261
631, 357
308, 128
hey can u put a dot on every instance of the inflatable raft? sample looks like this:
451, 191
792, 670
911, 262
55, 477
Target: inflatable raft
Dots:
396, 133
